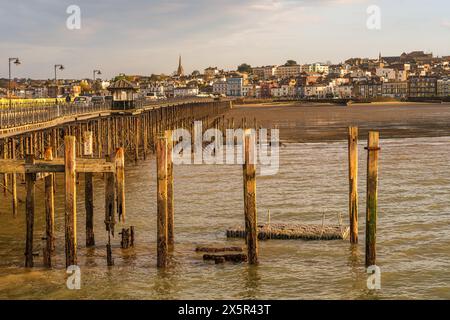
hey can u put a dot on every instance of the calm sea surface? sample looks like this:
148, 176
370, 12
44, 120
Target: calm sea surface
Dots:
413, 231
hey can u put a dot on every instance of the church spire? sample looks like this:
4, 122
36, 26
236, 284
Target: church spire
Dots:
180, 71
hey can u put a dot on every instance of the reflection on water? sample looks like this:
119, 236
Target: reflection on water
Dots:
413, 232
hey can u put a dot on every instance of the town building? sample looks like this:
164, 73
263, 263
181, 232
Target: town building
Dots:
395, 89
234, 86
220, 87
443, 87
265, 72
421, 87
287, 71
183, 92
211, 72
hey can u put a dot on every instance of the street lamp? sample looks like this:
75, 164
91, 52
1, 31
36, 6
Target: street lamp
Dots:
95, 72
57, 67
16, 62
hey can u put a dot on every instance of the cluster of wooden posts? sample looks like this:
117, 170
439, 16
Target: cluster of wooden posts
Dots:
70, 166
165, 197
69, 148
372, 148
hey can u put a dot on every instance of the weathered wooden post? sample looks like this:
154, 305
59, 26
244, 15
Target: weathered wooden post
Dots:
353, 182
170, 196
49, 212
88, 149
371, 198
249, 170
161, 166
110, 209
70, 200
5, 175
120, 177
14, 179
30, 179
89, 205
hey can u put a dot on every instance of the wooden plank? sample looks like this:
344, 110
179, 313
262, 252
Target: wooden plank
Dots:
371, 198
83, 165
161, 166
29, 213
70, 201
249, 170
353, 182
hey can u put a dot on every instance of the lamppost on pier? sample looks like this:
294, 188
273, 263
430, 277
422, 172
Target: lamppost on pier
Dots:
57, 67
98, 72
16, 62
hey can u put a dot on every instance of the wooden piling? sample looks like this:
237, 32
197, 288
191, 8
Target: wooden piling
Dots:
110, 202
14, 179
30, 179
353, 182
249, 170
161, 165
89, 205
170, 195
371, 198
49, 212
70, 201
120, 176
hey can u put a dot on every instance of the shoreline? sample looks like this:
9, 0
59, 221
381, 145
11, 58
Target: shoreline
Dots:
326, 122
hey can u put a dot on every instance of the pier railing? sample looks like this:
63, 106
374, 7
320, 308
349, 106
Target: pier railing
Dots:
20, 115
30, 114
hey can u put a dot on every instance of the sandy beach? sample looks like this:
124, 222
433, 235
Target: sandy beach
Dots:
326, 122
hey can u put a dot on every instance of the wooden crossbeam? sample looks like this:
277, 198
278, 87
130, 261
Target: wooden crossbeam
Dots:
57, 165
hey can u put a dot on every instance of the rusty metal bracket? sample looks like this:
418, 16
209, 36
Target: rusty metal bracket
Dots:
372, 148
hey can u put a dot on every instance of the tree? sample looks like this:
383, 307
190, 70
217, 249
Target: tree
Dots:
291, 63
245, 68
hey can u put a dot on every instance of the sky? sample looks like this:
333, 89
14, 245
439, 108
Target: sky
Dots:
146, 36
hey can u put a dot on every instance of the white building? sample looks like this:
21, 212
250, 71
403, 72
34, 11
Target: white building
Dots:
317, 91
182, 92
343, 91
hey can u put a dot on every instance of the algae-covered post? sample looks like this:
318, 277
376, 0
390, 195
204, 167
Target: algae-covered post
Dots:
70, 201
161, 168
249, 169
353, 182
170, 200
371, 198
30, 179
89, 205
49, 211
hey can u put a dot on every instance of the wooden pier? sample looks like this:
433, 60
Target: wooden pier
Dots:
90, 141
99, 142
